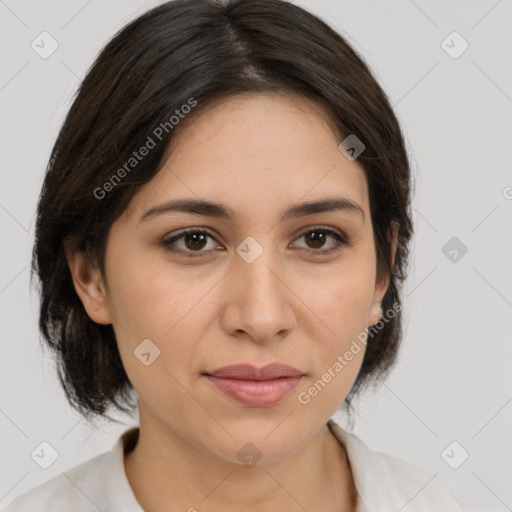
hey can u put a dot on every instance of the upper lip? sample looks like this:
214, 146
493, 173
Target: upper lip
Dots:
251, 372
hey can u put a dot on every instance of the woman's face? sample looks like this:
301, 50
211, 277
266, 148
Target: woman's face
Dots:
252, 287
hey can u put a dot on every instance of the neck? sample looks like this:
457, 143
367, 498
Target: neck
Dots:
167, 473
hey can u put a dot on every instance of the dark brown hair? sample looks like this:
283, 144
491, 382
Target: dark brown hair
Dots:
181, 52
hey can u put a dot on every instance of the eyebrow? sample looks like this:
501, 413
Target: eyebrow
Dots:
220, 211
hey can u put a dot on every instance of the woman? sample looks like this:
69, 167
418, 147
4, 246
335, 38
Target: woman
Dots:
222, 229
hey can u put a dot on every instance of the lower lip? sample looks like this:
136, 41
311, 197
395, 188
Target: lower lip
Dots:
256, 393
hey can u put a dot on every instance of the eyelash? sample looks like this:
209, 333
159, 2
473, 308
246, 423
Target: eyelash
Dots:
340, 241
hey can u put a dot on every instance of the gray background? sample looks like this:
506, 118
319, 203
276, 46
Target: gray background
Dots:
453, 381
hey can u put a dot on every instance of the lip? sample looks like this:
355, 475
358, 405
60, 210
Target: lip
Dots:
253, 386
251, 372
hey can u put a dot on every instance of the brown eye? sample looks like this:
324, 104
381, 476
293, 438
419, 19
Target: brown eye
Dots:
317, 238
195, 241
192, 241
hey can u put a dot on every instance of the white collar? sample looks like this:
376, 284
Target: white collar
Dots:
383, 482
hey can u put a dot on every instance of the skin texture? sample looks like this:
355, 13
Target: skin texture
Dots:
257, 154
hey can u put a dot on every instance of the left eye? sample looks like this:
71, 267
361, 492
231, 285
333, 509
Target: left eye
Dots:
195, 239
318, 236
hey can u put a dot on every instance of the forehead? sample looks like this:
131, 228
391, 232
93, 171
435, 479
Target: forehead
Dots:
257, 150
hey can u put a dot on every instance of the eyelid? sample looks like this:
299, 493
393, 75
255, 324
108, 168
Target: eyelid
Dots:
168, 241
339, 236
319, 227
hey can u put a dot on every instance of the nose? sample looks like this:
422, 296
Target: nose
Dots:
259, 301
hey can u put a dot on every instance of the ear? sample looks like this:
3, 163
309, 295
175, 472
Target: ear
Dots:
382, 284
89, 286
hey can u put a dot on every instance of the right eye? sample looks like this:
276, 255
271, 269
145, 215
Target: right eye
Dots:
193, 241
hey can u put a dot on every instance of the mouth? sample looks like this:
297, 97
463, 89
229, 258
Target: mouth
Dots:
256, 387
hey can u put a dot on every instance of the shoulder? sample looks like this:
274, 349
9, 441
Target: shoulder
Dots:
385, 482
99, 483
79, 489
75, 489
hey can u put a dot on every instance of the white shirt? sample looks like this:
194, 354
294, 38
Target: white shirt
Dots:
384, 483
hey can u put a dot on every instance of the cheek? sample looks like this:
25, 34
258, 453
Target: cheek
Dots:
342, 305
150, 297
344, 301
151, 301
157, 328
